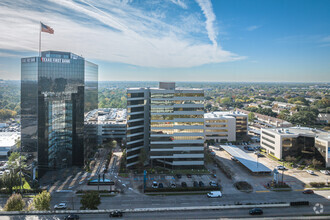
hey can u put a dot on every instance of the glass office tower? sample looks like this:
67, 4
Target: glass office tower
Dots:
56, 90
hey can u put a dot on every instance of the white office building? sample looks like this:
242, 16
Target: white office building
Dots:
297, 141
219, 127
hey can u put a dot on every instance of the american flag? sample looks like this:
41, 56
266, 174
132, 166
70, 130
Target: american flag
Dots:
45, 28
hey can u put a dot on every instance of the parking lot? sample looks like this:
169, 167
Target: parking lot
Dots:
168, 181
294, 177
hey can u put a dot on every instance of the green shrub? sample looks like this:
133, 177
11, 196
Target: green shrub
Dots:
317, 184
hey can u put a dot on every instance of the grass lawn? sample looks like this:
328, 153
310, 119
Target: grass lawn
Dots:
26, 185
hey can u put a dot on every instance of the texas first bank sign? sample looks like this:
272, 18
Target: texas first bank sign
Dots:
54, 60
45, 60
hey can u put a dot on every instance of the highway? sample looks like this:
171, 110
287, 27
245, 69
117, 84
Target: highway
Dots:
232, 213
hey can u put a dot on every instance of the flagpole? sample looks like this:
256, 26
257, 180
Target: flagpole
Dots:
40, 40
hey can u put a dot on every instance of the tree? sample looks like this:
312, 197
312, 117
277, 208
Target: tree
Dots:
251, 117
290, 159
90, 200
142, 157
14, 203
10, 181
41, 202
15, 161
226, 101
316, 163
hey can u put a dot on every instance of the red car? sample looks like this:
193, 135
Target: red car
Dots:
308, 191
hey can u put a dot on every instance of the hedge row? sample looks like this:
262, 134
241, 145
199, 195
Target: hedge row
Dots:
317, 184
183, 189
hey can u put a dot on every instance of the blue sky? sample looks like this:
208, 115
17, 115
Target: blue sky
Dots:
175, 40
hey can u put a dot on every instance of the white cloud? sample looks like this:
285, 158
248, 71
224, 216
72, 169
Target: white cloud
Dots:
253, 27
107, 31
207, 9
181, 3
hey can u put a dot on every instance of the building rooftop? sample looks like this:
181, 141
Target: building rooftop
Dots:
106, 116
8, 139
296, 131
224, 114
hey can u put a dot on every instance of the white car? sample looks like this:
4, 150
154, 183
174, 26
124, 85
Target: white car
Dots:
61, 205
311, 172
281, 167
214, 194
326, 172
154, 185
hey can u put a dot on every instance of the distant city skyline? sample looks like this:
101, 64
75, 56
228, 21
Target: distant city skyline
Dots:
175, 40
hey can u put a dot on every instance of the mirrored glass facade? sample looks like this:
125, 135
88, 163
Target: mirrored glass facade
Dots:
56, 90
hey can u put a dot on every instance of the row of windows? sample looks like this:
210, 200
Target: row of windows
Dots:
171, 124
135, 109
178, 102
172, 131
131, 117
216, 121
216, 130
216, 126
267, 139
176, 138
216, 135
135, 95
176, 145
170, 110
268, 134
268, 145
170, 153
171, 117
172, 95
136, 102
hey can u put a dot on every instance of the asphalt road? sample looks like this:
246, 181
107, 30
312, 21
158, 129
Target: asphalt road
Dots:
133, 200
232, 213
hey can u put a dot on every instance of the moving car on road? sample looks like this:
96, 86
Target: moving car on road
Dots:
61, 205
308, 191
116, 214
71, 217
311, 172
214, 194
256, 211
281, 167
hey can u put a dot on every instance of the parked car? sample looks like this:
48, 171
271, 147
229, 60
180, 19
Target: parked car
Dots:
213, 183
71, 217
233, 159
201, 184
214, 194
195, 184
214, 175
311, 172
160, 185
326, 172
116, 214
250, 149
189, 175
256, 211
154, 185
172, 185
308, 191
260, 155
178, 176
281, 167
184, 184
61, 205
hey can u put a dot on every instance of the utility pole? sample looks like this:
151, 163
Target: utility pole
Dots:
283, 173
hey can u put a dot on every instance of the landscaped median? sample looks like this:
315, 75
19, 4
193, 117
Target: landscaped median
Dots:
162, 209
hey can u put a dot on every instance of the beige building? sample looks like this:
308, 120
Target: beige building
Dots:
296, 141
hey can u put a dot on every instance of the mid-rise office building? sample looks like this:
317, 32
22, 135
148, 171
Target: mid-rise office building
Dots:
56, 90
168, 124
106, 124
219, 127
297, 141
